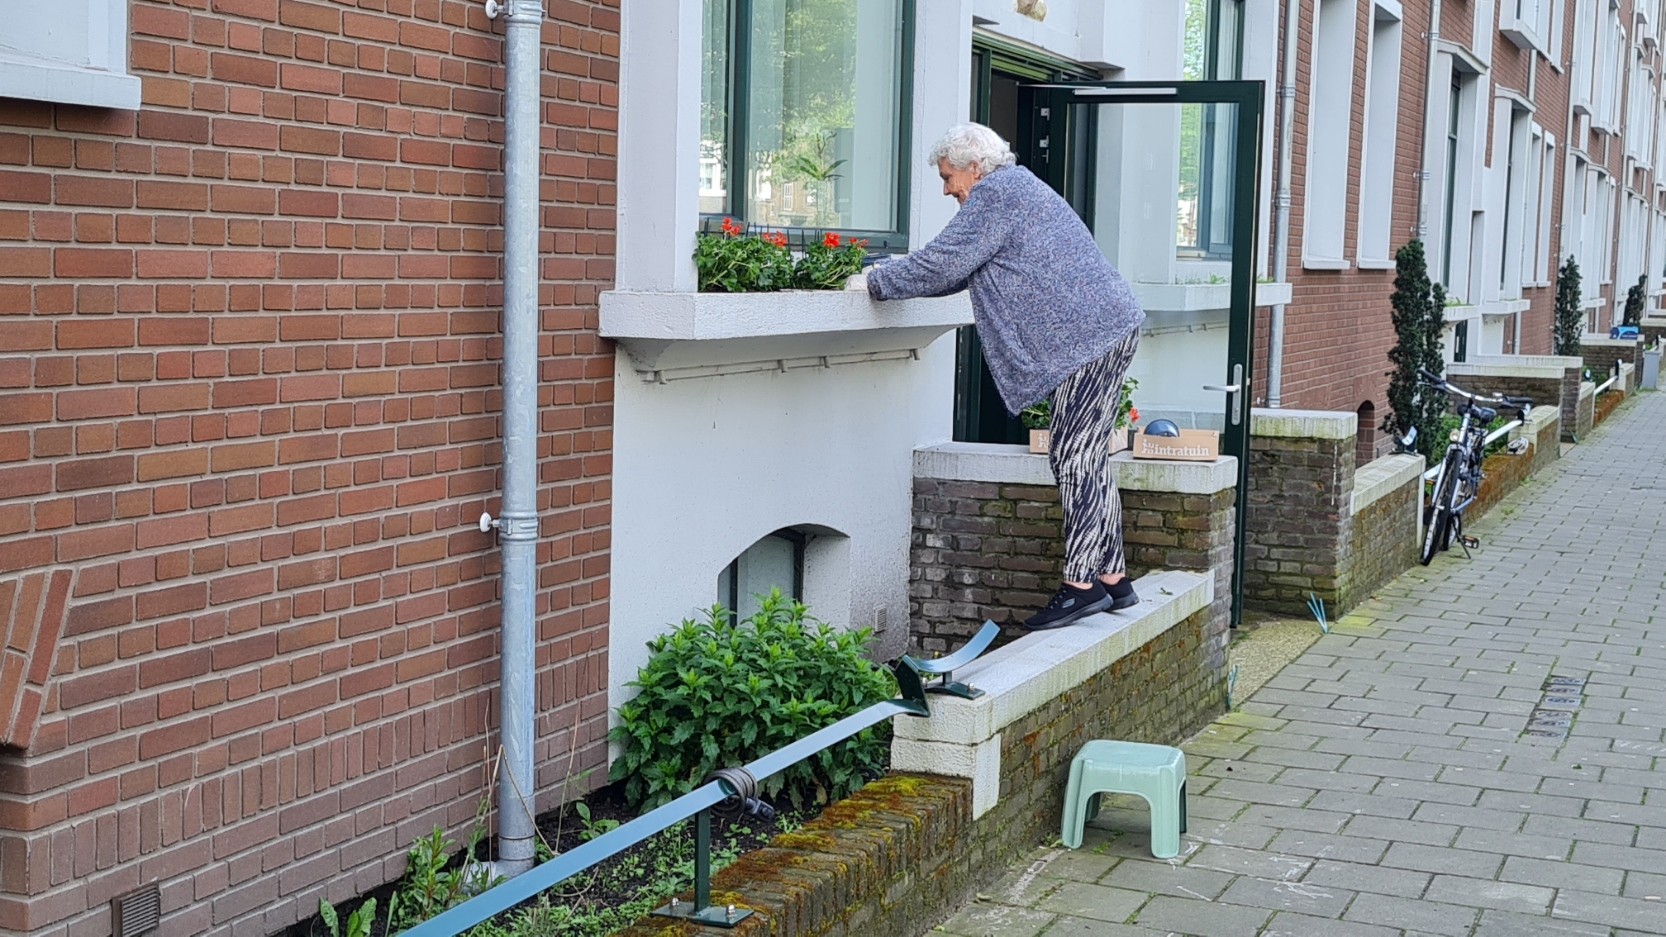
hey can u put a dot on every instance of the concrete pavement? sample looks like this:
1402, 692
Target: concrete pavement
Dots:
1478, 751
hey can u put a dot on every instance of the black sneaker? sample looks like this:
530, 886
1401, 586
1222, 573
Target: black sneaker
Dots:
1122, 594
1068, 605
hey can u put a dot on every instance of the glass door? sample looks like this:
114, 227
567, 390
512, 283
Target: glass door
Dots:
1165, 174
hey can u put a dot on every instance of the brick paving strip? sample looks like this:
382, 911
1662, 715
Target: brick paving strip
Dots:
1385, 782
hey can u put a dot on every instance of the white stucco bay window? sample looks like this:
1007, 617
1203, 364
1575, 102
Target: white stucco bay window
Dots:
69, 52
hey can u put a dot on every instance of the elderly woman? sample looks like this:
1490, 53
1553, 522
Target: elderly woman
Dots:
1055, 318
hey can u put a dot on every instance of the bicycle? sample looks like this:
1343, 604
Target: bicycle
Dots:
1458, 479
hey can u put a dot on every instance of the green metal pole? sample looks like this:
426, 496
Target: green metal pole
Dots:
702, 860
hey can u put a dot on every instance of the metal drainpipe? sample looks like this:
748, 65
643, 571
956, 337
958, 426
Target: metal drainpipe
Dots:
518, 525
1281, 250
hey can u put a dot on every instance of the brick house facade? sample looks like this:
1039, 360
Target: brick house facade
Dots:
248, 416
1524, 126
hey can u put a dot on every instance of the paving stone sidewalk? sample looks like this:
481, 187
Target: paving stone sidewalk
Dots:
1395, 778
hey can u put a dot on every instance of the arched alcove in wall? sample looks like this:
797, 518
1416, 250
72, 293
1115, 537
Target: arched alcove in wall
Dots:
809, 562
1365, 438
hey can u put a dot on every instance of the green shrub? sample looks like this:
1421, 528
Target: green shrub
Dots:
719, 693
1570, 313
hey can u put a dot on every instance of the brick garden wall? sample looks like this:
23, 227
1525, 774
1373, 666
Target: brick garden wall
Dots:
1382, 544
903, 853
1563, 393
1299, 521
992, 551
1600, 357
248, 412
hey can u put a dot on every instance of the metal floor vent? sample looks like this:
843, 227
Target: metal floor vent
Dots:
136, 913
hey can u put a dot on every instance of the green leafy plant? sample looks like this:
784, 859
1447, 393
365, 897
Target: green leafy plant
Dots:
736, 263
1126, 414
1636, 296
430, 886
718, 692
592, 828
815, 165
828, 264
358, 923
1570, 314
1037, 415
1419, 322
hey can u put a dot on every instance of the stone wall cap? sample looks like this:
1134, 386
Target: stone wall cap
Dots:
1023, 676
1380, 477
1016, 465
1549, 361
1303, 424
1539, 417
1603, 341
1587, 389
1504, 368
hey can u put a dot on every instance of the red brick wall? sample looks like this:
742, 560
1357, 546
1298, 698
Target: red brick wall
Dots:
1338, 327
248, 414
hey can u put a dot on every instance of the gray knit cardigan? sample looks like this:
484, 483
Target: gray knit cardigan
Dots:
1045, 299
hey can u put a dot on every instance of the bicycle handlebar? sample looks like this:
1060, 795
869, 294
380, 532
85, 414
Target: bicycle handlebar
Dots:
1522, 404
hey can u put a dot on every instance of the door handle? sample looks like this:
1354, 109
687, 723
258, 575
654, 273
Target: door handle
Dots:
1235, 390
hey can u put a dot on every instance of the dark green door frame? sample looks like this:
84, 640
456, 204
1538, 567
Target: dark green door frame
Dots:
1061, 118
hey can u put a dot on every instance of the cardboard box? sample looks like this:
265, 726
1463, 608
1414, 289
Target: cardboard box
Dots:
1192, 445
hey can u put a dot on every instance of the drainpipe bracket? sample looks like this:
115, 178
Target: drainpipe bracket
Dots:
509, 528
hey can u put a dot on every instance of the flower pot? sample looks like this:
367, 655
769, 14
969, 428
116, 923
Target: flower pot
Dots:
1039, 440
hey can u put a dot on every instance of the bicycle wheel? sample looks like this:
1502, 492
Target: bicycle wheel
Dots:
1437, 532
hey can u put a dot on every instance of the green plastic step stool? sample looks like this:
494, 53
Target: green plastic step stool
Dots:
1154, 772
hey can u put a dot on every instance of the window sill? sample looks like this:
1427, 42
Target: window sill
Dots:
1203, 297
1326, 263
1505, 307
688, 332
42, 80
1384, 264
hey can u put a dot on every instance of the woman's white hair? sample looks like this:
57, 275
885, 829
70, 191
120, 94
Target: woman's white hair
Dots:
972, 146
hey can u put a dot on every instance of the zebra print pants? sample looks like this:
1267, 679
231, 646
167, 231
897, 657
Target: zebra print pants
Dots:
1084, 413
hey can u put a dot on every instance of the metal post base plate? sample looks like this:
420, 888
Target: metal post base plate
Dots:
956, 688
714, 915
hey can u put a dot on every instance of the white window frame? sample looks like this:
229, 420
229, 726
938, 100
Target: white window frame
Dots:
81, 61
1380, 137
1547, 191
1516, 123
1330, 126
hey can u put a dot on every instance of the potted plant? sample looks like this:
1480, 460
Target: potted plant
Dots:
737, 262
1038, 419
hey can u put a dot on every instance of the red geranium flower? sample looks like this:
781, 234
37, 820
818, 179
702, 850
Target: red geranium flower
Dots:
1134, 414
731, 228
830, 239
776, 238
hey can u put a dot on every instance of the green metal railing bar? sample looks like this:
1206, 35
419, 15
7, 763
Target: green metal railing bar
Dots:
698, 803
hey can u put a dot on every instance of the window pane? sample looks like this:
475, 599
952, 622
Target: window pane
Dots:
714, 108
1194, 68
821, 124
